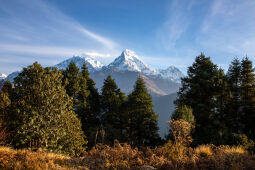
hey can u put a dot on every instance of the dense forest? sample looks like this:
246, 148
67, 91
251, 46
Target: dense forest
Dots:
61, 111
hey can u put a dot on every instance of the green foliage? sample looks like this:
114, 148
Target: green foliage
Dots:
234, 101
202, 91
142, 120
113, 118
184, 113
43, 112
242, 139
88, 108
71, 79
248, 97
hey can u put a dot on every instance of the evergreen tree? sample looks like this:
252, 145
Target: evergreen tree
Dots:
220, 114
5, 102
234, 101
200, 90
43, 112
71, 80
184, 113
248, 97
142, 120
113, 119
88, 107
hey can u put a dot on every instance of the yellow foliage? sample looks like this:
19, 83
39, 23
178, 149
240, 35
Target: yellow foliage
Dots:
203, 150
123, 156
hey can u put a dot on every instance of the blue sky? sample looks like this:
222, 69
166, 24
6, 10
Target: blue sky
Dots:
162, 33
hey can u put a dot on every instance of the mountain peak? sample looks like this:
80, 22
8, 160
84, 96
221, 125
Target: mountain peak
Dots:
171, 73
2, 76
92, 64
129, 54
129, 61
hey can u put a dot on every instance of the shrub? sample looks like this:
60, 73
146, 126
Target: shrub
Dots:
203, 150
242, 139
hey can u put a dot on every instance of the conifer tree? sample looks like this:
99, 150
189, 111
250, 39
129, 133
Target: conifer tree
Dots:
248, 97
184, 113
44, 115
88, 107
71, 80
112, 100
199, 91
142, 120
5, 102
234, 101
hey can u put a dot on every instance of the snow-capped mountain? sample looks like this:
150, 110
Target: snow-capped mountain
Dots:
171, 73
129, 61
2, 76
92, 64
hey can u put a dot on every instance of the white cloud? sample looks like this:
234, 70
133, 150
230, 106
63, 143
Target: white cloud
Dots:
39, 23
103, 40
176, 23
229, 27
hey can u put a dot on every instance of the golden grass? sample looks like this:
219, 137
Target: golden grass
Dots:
25, 159
203, 150
122, 156
232, 149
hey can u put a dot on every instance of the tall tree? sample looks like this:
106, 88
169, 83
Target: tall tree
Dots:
142, 120
234, 101
43, 112
199, 91
71, 80
89, 106
248, 97
112, 100
5, 102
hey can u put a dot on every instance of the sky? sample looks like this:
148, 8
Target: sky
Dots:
163, 33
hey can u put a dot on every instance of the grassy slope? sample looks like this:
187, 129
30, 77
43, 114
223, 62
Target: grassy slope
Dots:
124, 157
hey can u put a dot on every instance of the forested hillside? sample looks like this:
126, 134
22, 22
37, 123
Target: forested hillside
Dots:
62, 112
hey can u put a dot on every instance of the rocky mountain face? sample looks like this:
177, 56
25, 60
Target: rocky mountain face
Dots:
125, 69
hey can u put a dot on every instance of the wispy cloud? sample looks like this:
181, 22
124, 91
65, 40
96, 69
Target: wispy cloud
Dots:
38, 28
229, 27
222, 29
177, 22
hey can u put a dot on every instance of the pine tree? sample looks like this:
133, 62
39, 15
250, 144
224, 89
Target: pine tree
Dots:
199, 91
88, 107
142, 120
71, 80
44, 115
234, 101
184, 113
248, 97
220, 114
112, 100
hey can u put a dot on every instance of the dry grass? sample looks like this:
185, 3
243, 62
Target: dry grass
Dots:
203, 150
232, 149
122, 156
25, 159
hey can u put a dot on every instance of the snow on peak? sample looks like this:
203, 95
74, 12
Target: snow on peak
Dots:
2, 76
95, 63
171, 73
92, 64
129, 61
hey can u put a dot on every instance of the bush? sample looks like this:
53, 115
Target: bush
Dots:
203, 150
242, 139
